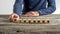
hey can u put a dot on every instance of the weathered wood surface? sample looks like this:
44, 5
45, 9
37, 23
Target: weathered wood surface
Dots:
7, 27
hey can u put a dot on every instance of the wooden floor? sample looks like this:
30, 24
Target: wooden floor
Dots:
7, 27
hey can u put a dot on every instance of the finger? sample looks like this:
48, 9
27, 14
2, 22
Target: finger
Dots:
10, 19
28, 14
14, 16
32, 13
35, 13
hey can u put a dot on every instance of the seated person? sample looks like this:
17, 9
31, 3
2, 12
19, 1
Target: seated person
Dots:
33, 8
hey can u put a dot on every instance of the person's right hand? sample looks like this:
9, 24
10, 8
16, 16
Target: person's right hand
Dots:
13, 17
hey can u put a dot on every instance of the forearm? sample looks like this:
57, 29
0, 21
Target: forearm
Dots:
50, 9
18, 7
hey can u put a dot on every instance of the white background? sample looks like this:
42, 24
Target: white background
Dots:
6, 6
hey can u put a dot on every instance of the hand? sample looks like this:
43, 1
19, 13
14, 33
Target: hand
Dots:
32, 13
13, 17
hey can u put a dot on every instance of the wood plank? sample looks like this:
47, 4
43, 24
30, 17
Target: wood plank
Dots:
7, 27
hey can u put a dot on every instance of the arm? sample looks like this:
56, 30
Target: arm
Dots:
18, 7
50, 9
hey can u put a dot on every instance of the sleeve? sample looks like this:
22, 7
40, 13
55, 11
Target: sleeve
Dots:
50, 9
18, 7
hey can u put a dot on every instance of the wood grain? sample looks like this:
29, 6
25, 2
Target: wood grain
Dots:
7, 27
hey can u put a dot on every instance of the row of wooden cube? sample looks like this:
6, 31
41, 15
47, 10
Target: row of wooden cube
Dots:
33, 21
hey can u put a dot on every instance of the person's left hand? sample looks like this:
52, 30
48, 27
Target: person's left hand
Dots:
32, 13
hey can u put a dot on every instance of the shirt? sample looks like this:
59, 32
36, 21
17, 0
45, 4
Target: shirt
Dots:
44, 7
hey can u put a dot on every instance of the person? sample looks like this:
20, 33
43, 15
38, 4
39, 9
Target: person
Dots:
33, 8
